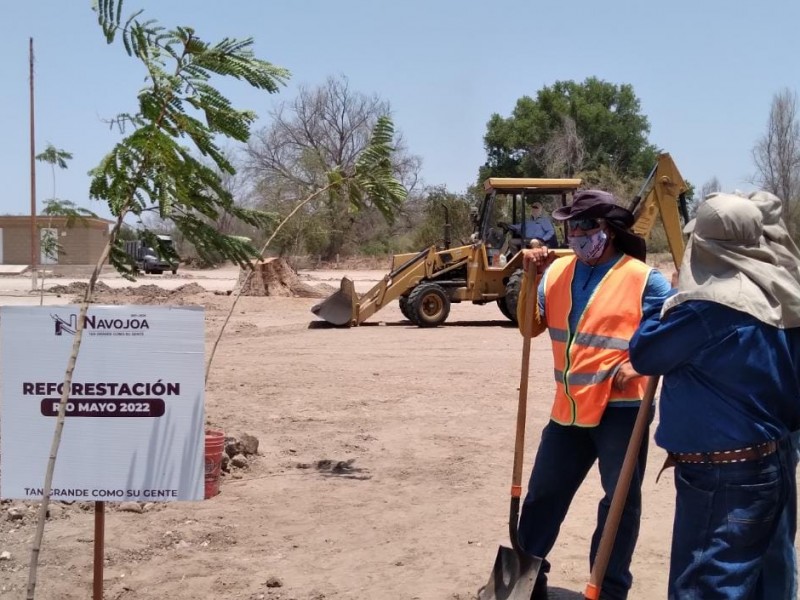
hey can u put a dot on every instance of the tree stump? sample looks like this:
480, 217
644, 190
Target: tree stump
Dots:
274, 277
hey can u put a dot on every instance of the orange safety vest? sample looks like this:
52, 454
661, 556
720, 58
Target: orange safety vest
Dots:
586, 360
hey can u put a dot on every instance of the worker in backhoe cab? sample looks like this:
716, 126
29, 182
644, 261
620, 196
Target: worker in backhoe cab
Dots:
728, 345
591, 303
538, 227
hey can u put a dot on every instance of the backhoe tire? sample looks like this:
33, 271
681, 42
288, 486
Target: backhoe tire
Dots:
511, 298
501, 304
405, 309
428, 305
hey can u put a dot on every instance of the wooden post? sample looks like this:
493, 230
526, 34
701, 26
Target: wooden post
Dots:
33, 177
99, 549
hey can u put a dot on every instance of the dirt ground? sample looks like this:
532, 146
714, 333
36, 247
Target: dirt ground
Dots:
383, 470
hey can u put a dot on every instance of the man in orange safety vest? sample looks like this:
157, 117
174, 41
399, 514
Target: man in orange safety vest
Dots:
591, 304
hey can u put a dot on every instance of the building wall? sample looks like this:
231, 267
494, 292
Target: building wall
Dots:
81, 244
16, 245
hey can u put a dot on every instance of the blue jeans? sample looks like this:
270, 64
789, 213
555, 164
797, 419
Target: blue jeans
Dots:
565, 455
779, 573
726, 516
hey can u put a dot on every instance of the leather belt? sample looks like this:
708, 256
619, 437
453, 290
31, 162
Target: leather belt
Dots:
722, 457
727, 456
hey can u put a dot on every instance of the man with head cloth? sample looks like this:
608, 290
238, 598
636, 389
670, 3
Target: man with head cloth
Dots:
728, 346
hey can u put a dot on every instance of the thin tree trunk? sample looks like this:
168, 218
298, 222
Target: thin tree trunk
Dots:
62, 409
252, 269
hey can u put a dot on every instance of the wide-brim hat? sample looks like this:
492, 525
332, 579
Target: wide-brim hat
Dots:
594, 204
597, 204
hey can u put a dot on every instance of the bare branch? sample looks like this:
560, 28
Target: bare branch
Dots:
777, 155
324, 129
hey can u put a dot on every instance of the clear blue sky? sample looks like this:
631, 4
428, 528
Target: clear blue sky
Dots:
705, 72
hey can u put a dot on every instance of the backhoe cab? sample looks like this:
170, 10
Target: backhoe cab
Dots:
489, 268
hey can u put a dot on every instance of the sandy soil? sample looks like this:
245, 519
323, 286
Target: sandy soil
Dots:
422, 422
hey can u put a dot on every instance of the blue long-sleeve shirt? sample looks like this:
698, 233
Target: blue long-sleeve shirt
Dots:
657, 289
730, 380
540, 228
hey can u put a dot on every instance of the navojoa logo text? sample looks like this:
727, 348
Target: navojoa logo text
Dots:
133, 325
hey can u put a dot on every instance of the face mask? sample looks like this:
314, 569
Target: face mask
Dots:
589, 247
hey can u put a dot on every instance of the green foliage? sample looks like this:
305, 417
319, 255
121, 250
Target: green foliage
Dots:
305, 233
64, 208
54, 156
377, 247
155, 168
368, 184
371, 181
339, 147
48, 244
127, 233
437, 203
611, 180
72, 215
607, 119
657, 242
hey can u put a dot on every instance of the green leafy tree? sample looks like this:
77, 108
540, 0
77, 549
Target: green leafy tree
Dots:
438, 204
55, 158
48, 241
152, 169
573, 127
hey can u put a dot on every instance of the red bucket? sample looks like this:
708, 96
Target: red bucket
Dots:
215, 446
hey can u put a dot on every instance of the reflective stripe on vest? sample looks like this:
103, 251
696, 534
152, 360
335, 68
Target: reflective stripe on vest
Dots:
586, 360
589, 339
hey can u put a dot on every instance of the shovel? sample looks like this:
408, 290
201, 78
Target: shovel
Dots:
609, 535
514, 573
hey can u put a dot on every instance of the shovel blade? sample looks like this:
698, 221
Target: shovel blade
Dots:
513, 576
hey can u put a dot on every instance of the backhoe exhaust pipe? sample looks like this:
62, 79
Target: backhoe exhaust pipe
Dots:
447, 227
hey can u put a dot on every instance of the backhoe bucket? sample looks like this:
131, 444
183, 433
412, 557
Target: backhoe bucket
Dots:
513, 576
341, 307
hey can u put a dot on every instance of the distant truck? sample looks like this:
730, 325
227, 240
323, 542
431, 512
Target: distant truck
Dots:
148, 260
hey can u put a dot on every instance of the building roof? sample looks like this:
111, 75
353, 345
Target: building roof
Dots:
11, 220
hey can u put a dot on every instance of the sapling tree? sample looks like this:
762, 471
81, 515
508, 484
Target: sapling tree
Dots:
55, 157
48, 241
156, 166
168, 162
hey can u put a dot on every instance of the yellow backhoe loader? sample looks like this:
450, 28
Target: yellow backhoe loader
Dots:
489, 269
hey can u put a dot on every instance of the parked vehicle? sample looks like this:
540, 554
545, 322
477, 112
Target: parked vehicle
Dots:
148, 260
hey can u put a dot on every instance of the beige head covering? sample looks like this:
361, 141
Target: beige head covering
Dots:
740, 255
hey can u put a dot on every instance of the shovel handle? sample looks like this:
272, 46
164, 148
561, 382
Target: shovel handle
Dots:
609, 536
522, 407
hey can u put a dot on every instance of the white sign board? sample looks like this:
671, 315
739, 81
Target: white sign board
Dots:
134, 428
